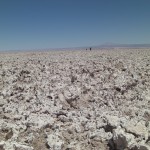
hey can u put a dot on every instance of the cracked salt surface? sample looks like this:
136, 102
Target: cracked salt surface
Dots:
75, 100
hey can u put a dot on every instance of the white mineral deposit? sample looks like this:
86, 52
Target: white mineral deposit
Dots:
75, 100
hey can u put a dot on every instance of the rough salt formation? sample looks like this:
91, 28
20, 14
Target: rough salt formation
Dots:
75, 100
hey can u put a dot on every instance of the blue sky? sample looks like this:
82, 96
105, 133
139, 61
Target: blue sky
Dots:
31, 24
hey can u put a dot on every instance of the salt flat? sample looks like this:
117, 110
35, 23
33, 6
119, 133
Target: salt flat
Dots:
75, 100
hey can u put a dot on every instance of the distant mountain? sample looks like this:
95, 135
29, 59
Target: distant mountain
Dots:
113, 45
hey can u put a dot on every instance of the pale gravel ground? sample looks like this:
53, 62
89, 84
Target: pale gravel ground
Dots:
75, 100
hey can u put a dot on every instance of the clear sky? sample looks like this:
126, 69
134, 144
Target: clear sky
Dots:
31, 24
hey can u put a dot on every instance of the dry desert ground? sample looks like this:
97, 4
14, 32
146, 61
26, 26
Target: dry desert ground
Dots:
75, 100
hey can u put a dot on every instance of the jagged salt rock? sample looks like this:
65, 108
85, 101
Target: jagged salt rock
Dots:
121, 139
113, 121
140, 147
54, 142
2, 143
18, 146
138, 130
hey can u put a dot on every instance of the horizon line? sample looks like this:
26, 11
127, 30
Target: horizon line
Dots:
104, 45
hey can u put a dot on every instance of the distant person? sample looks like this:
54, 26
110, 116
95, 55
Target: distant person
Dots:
90, 48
